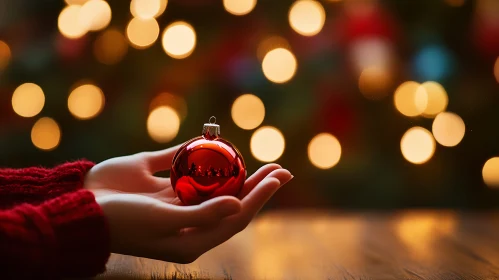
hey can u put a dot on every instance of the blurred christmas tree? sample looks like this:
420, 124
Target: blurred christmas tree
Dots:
353, 96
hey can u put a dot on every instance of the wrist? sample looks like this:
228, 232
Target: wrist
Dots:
107, 207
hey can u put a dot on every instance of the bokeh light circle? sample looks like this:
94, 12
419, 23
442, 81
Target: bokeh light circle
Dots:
307, 17
86, 101
179, 39
147, 9
239, 7
110, 47
371, 51
163, 124
176, 102
267, 144
69, 24
490, 172
324, 151
5, 55
162, 7
408, 100
75, 2
417, 145
95, 15
46, 134
374, 83
270, 43
142, 32
248, 111
28, 100
279, 65
448, 129
437, 98
433, 62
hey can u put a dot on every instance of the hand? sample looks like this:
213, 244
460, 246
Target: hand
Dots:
146, 219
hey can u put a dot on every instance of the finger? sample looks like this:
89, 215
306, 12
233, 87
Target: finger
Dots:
201, 240
205, 214
162, 159
255, 200
258, 176
250, 183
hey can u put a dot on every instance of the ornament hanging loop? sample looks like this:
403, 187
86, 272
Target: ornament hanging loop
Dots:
211, 130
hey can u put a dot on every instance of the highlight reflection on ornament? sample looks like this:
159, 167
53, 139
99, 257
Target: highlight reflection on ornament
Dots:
206, 167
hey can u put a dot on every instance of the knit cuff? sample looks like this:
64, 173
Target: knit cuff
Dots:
35, 185
81, 233
67, 177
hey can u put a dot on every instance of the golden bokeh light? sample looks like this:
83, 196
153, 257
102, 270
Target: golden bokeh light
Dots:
239, 7
162, 7
69, 24
142, 32
267, 144
28, 100
173, 101
496, 70
75, 2
147, 9
448, 129
437, 98
307, 17
421, 100
408, 100
324, 151
179, 39
163, 124
248, 111
374, 83
94, 15
490, 172
86, 101
279, 65
5, 55
110, 47
270, 43
417, 145
46, 134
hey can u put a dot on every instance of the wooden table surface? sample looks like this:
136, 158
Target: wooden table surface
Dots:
322, 245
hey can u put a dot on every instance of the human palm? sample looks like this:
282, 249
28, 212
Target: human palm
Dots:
134, 174
147, 219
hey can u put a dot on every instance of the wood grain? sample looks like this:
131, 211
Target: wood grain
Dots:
321, 245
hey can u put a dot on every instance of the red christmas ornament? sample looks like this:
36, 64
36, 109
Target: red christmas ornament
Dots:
206, 167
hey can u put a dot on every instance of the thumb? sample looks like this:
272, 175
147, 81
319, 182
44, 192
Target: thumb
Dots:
162, 159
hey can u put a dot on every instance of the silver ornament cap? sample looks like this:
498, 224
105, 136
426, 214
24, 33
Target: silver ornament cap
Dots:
211, 130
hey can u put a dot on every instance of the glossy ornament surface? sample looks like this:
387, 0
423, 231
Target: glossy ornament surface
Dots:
206, 167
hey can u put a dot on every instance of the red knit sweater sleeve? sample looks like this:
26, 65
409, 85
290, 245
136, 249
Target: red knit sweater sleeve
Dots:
63, 237
49, 226
35, 185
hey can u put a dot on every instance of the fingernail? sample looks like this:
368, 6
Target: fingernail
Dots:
228, 209
285, 182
